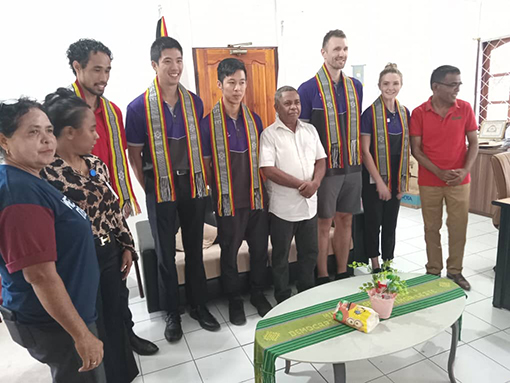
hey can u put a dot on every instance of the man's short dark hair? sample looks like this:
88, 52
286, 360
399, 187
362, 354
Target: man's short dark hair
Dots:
279, 93
80, 51
64, 108
230, 66
10, 114
333, 33
440, 73
162, 43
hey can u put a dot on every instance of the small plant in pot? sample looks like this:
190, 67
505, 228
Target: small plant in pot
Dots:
384, 287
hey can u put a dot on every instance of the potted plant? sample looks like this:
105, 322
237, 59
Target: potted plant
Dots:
384, 287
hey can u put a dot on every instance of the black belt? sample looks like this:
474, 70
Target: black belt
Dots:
104, 239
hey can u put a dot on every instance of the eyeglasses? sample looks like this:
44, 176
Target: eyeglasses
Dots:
451, 85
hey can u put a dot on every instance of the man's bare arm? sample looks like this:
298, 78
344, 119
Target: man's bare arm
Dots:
280, 177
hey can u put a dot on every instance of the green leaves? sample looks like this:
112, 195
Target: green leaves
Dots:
386, 281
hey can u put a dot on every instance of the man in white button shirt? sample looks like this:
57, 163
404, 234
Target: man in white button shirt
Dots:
292, 159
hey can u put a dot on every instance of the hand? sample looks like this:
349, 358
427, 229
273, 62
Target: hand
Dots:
461, 174
400, 195
90, 350
384, 192
308, 189
127, 261
127, 209
446, 175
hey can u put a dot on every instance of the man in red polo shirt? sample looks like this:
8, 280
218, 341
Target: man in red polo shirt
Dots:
90, 61
439, 128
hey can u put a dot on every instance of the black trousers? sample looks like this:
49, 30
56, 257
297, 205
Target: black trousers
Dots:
252, 226
52, 345
120, 365
162, 219
379, 213
305, 234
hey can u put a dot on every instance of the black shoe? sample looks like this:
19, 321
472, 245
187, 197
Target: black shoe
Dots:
205, 318
236, 312
142, 346
173, 329
261, 303
321, 280
376, 271
342, 276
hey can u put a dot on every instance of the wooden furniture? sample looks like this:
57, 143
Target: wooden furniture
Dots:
483, 185
501, 298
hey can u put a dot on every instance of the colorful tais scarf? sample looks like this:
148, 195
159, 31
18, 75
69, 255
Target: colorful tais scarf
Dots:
158, 142
120, 177
305, 327
382, 154
223, 166
334, 137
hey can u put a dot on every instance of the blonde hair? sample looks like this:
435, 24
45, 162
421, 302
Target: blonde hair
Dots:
390, 68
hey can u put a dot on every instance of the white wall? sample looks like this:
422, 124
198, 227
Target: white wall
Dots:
417, 35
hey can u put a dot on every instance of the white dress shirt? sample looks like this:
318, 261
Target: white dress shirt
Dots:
294, 154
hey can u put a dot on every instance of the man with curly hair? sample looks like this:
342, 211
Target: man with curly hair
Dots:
90, 61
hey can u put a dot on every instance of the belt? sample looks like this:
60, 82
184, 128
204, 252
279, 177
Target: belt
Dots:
103, 240
181, 172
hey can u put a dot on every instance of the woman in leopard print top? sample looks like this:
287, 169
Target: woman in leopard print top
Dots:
84, 179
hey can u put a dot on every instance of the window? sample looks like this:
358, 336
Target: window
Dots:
495, 84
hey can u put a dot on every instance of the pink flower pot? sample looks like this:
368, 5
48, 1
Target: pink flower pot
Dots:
382, 304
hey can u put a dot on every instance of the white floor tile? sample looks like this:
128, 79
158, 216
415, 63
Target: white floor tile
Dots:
422, 372
474, 246
496, 347
140, 312
403, 248
204, 343
485, 226
419, 257
478, 263
490, 254
405, 266
488, 239
169, 355
186, 372
484, 310
409, 232
440, 343
134, 296
300, 373
357, 372
245, 334
418, 243
382, 379
490, 274
476, 218
483, 284
474, 328
131, 279
472, 366
403, 223
138, 380
398, 360
473, 297
237, 367
152, 329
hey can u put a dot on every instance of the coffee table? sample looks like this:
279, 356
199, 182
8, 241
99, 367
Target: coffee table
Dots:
389, 336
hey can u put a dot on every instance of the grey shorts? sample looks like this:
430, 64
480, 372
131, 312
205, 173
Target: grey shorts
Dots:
339, 193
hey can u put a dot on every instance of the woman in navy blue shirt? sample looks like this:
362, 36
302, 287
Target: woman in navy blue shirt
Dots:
48, 266
386, 153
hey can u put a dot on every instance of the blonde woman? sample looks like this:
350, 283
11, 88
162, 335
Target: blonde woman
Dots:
386, 151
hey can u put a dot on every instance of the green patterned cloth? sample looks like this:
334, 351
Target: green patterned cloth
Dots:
304, 327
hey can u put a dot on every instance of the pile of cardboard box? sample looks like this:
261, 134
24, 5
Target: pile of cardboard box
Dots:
412, 197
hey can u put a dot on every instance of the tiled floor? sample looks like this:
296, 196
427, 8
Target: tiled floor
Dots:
227, 356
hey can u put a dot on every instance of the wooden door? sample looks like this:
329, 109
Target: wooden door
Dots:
261, 67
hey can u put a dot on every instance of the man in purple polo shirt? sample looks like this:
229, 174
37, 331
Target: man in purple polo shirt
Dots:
230, 135
163, 170
331, 101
